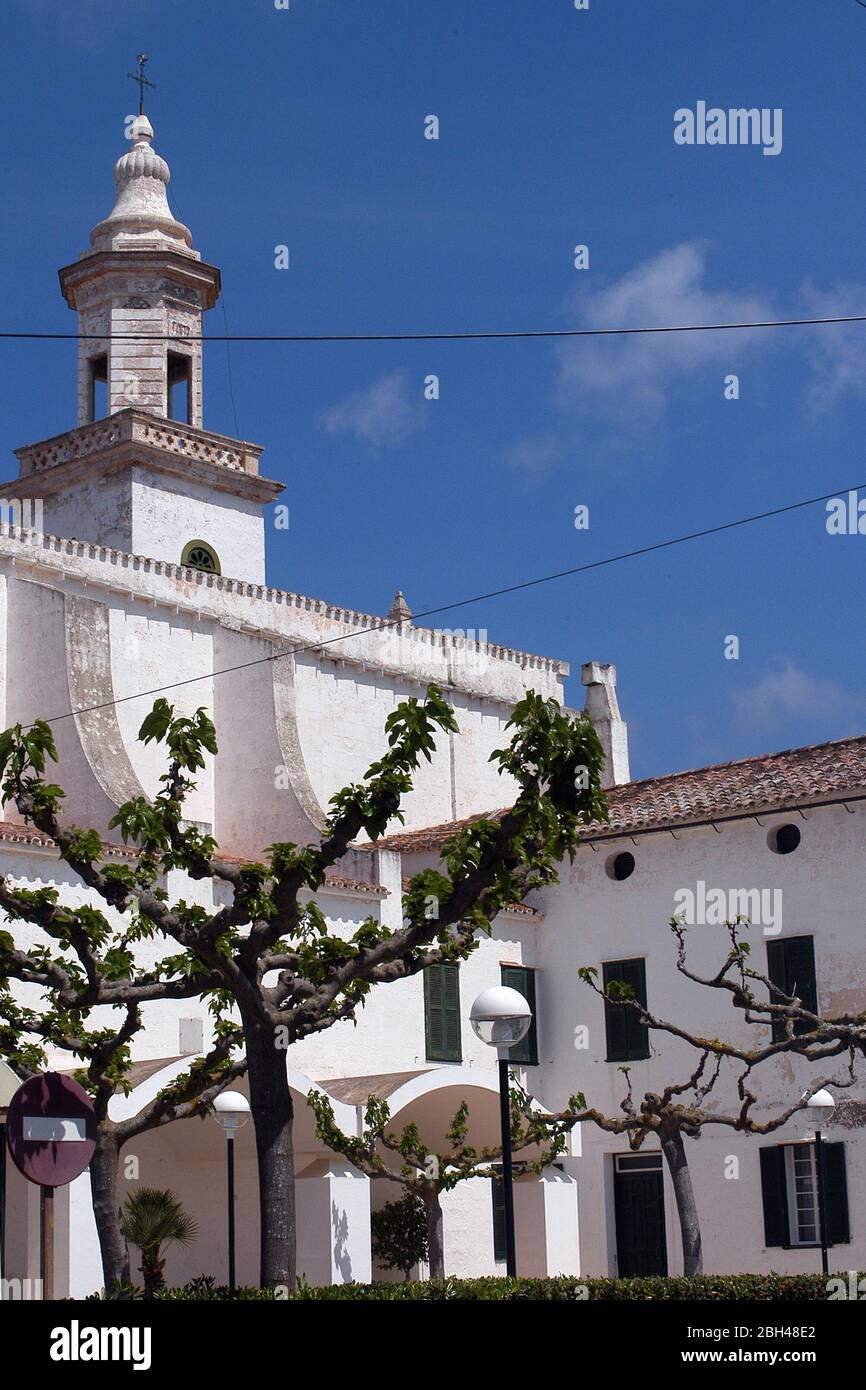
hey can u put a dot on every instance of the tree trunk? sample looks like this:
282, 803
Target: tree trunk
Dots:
435, 1245
103, 1190
690, 1230
152, 1268
273, 1114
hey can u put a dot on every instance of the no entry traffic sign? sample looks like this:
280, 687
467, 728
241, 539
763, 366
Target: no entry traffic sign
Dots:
51, 1129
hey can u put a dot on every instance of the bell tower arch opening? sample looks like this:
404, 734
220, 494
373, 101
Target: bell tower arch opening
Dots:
179, 387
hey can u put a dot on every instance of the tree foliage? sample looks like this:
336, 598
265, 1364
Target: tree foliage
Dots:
399, 1234
267, 950
153, 1218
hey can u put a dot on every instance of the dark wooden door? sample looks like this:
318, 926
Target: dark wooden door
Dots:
641, 1247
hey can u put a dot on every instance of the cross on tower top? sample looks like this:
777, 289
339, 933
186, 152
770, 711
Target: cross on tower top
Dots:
139, 77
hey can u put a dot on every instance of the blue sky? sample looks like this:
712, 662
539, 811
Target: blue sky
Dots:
306, 128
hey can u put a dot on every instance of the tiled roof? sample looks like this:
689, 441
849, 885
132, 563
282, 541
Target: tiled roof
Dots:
512, 910
16, 834
818, 772
12, 833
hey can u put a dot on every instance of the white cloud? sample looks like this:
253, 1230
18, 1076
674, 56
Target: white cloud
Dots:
533, 456
838, 351
386, 412
629, 378
791, 693
634, 374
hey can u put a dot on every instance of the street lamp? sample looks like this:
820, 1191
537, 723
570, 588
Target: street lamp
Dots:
821, 1106
500, 1017
231, 1111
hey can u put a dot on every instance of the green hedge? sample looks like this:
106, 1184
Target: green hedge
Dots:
707, 1287
714, 1288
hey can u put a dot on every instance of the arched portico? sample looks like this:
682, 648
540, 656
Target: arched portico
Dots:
189, 1157
546, 1219
333, 1199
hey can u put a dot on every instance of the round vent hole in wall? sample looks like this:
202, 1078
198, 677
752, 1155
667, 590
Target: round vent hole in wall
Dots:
620, 866
784, 839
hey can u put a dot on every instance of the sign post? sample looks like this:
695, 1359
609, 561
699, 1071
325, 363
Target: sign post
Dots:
9, 1084
51, 1135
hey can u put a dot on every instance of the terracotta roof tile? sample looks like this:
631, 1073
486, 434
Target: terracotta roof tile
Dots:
818, 772
512, 910
13, 833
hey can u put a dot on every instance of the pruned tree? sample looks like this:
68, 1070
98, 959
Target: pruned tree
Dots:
273, 955
680, 1111
61, 1022
404, 1157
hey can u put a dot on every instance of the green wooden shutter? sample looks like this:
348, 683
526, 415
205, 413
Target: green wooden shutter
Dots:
800, 963
627, 1037
777, 974
774, 1192
791, 967
451, 1011
442, 1013
836, 1194
614, 1018
638, 1036
523, 980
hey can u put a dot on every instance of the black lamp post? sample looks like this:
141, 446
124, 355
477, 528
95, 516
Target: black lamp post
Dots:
500, 1017
821, 1106
231, 1111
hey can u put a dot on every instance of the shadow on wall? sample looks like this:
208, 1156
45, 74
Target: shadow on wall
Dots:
342, 1258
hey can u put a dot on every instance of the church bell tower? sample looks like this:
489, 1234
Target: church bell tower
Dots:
140, 292
140, 473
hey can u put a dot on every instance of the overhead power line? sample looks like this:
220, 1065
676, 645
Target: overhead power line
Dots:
467, 336
476, 598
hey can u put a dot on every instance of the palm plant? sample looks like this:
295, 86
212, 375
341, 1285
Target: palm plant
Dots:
153, 1218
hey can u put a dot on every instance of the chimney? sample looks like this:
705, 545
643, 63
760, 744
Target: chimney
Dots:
603, 709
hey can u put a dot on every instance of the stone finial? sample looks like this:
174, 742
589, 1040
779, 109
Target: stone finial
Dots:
602, 707
141, 215
399, 612
140, 131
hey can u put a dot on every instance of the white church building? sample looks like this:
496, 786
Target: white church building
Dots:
146, 568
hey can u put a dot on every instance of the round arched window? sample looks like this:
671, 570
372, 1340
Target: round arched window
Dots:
198, 556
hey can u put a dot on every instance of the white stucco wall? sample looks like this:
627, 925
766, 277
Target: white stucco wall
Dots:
149, 625
592, 918
142, 625
166, 513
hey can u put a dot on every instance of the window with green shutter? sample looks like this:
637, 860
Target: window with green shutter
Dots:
442, 1013
627, 1038
789, 1189
522, 979
791, 968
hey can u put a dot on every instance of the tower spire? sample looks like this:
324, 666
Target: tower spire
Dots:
141, 216
140, 292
